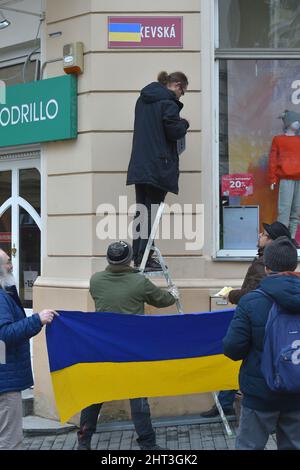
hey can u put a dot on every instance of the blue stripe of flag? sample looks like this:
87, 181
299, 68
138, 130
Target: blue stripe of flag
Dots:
76, 337
124, 28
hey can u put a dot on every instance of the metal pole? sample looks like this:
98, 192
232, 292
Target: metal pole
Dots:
223, 417
152, 236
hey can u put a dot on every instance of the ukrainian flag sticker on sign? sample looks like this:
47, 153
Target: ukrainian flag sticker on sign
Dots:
124, 32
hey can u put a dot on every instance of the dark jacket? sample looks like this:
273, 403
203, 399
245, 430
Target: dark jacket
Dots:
245, 338
255, 273
15, 332
157, 127
121, 289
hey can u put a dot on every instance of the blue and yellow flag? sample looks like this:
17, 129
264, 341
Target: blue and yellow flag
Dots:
124, 32
98, 357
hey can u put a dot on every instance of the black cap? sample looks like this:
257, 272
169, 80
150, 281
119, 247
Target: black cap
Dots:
119, 253
281, 255
277, 229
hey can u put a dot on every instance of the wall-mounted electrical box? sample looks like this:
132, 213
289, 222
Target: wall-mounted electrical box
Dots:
73, 58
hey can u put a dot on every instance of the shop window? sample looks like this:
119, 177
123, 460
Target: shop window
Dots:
5, 186
30, 187
20, 73
5, 231
29, 256
259, 23
252, 96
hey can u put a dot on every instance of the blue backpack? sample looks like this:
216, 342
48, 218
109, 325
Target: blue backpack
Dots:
280, 362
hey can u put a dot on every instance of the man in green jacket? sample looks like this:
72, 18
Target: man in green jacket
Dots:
121, 289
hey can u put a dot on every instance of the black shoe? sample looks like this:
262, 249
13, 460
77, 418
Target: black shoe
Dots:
210, 413
152, 265
213, 412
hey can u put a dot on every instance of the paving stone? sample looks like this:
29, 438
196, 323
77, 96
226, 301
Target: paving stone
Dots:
102, 445
184, 446
196, 445
26, 443
125, 445
220, 443
59, 442
36, 444
209, 445
162, 443
48, 442
172, 445
71, 442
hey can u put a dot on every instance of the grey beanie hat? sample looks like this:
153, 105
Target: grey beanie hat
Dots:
289, 117
119, 253
281, 255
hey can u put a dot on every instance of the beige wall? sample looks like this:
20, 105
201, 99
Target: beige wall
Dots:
82, 174
92, 170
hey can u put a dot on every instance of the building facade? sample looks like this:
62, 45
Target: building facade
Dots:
240, 79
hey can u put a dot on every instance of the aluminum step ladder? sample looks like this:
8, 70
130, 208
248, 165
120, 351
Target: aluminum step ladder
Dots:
170, 283
150, 247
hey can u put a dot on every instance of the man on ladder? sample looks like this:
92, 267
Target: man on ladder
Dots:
154, 163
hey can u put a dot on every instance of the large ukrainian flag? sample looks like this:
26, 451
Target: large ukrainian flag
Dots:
98, 357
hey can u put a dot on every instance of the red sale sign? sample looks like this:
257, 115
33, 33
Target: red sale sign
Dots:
239, 184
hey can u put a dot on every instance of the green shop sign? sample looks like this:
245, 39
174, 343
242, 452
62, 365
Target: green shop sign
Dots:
40, 111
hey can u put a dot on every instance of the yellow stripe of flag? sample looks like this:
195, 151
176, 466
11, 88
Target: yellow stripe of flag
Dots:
77, 386
125, 37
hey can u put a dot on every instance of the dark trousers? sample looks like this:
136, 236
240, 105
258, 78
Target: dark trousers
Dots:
150, 197
226, 398
140, 414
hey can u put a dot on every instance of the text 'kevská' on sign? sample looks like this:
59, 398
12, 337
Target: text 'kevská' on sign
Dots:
39, 111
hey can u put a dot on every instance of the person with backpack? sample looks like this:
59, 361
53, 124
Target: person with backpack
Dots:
255, 274
265, 335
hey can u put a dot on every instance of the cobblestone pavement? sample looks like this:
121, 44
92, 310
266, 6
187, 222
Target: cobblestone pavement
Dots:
187, 437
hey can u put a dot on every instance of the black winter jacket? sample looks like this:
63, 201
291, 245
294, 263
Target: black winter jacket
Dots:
245, 340
157, 127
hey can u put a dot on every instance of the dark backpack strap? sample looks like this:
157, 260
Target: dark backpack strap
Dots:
269, 321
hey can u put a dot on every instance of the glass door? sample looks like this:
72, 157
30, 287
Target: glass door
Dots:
20, 223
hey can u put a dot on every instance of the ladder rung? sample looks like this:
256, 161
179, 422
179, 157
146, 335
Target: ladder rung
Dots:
154, 273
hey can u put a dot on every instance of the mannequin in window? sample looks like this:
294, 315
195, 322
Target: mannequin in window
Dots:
284, 171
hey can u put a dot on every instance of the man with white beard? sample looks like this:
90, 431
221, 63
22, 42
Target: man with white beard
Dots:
15, 365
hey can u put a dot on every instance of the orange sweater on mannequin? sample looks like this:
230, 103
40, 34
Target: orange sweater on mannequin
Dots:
284, 160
